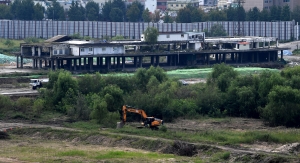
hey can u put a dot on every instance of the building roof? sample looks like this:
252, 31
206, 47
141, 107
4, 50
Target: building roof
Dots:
243, 43
58, 38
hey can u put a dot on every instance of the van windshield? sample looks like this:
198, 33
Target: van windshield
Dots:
33, 81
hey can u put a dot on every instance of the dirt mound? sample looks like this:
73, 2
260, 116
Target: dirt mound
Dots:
4, 135
289, 148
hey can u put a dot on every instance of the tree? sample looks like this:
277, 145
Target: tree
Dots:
23, 10
120, 4
197, 15
38, 12
155, 17
295, 15
55, 11
151, 35
106, 10
253, 14
230, 13
113, 96
116, 15
76, 12
146, 15
133, 13
217, 15
141, 8
5, 12
264, 15
283, 107
285, 13
184, 15
168, 18
216, 30
92, 11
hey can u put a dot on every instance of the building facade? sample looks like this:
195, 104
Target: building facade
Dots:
267, 4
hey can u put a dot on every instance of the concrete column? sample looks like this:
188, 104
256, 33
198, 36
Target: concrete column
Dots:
217, 58
174, 60
273, 55
232, 56
17, 61
91, 63
208, 59
21, 62
281, 55
51, 64
169, 47
101, 61
224, 58
170, 60
40, 64
56, 64
45, 62
39, 51
98, 60
61, 64
114, 61
236, 57
187, 46
33, 51
123, 62
71, 64
118, 62
141, 61
84, 63
269, 56
241, 56
135, 61
75, 64
157, 60
107, 61
79, 63
257, 58
33, 63
152, 60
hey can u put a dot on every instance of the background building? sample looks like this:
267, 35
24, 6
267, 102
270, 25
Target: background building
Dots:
266, 4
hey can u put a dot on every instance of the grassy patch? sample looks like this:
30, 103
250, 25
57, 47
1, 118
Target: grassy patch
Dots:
72, 153
296, 52
220, 156
225, 137
83, 125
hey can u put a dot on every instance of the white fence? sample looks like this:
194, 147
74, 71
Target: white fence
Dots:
18, 29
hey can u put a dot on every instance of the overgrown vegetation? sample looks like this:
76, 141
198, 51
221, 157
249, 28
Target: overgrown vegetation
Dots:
270, 95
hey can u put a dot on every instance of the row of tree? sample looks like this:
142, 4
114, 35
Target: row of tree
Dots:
117, 11
273, 96
275, 13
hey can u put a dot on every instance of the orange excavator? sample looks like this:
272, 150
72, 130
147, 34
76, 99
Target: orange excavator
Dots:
149, 122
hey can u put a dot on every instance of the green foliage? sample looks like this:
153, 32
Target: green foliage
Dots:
222, 75
9, 43
146, 15
76, 12
118, 37
163, 129
92, 11
29, 40
55, 11
5, 104
215, 30
283, 107
24, 104
5, 12
133, 13
151, 35
38, 106
113, 96
168, 18
91, 83
26, 10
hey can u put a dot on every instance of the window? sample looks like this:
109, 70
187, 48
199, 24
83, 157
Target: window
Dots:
176, 5
103, 49
182, 35
60, 51
82, 49
181, 5
286, 0
55, 51
90, 49
168, 36
172, 5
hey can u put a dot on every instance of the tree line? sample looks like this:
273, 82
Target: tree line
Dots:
272, 96
117, 11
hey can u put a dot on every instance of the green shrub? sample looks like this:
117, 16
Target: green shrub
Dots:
24, 104
38, 106
163, 129
31, 40
5, 103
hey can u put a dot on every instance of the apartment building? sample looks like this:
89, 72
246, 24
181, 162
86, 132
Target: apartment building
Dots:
177, 5
267, 4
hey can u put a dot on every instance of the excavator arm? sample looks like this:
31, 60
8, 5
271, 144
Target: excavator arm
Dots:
126, 109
